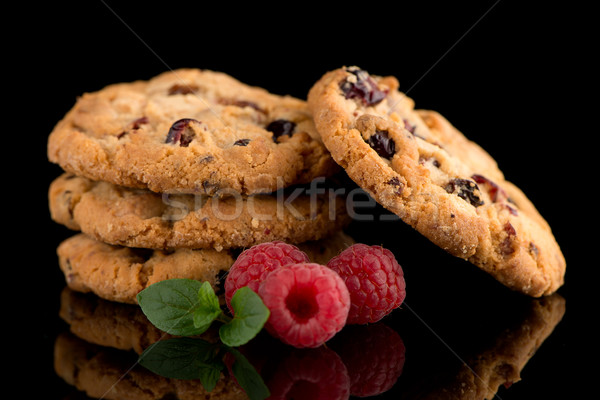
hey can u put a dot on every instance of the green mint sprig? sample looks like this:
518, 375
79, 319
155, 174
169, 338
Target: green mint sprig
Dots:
186, 307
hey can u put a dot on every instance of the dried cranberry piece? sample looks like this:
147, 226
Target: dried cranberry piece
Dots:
137, 124
362, 87
493, 189
408, 126
181, 133
182, 89
507, 246
466, 190
397, 184
533, 249
241, 104
382, 144
281, 127
241, 142
511, 210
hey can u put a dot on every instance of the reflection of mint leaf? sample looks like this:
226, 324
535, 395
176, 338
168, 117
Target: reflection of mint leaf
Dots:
169, 305
247, 377
209, 376
184, 358
250, 315
208, 308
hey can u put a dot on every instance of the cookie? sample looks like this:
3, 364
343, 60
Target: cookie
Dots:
141, 218
420, 167
190, 130
119, 273
107, 373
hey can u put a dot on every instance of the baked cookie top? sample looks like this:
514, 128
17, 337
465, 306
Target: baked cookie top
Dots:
141, 218
190, 130
420, 167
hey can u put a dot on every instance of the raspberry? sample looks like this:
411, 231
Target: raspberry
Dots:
374, 279
310, 374
379, 363
309, 304
254, 264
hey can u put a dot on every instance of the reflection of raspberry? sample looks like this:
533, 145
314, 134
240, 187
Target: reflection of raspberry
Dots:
310, 374
308, 302
379, 363
254, 264
374, 279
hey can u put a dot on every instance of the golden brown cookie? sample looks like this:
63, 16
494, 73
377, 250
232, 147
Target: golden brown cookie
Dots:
420, 167
119, 273
190, 130
141, 218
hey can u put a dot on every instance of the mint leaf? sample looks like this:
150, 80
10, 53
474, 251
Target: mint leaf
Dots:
247, 377
208, 308
170, 305
250, 315
184, 358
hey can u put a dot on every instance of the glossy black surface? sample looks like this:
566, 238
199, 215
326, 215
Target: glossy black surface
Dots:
502, 72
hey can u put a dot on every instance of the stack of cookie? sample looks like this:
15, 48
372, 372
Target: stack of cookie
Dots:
193, 164
171, 177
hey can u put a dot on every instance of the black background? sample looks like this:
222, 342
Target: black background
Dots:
509, 75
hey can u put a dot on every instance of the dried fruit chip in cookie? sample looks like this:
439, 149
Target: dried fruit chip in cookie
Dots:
186, 127
418, 165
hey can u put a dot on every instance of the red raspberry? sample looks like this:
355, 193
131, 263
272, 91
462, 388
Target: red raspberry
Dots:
374, 279
254, 264
379, 363
310, 374
309, 304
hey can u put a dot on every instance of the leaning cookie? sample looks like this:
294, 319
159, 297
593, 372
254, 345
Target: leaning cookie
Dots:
417, 165
190, 130
141, 218
119, 273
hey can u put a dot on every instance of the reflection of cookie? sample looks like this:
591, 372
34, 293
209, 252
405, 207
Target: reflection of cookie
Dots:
417, 165
141, 218
499, 364
106, 373
190, 130
119, 273
109, 323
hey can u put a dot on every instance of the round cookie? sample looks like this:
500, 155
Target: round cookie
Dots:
118, 273
190, 130
87, 263
141, 218
417, 165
